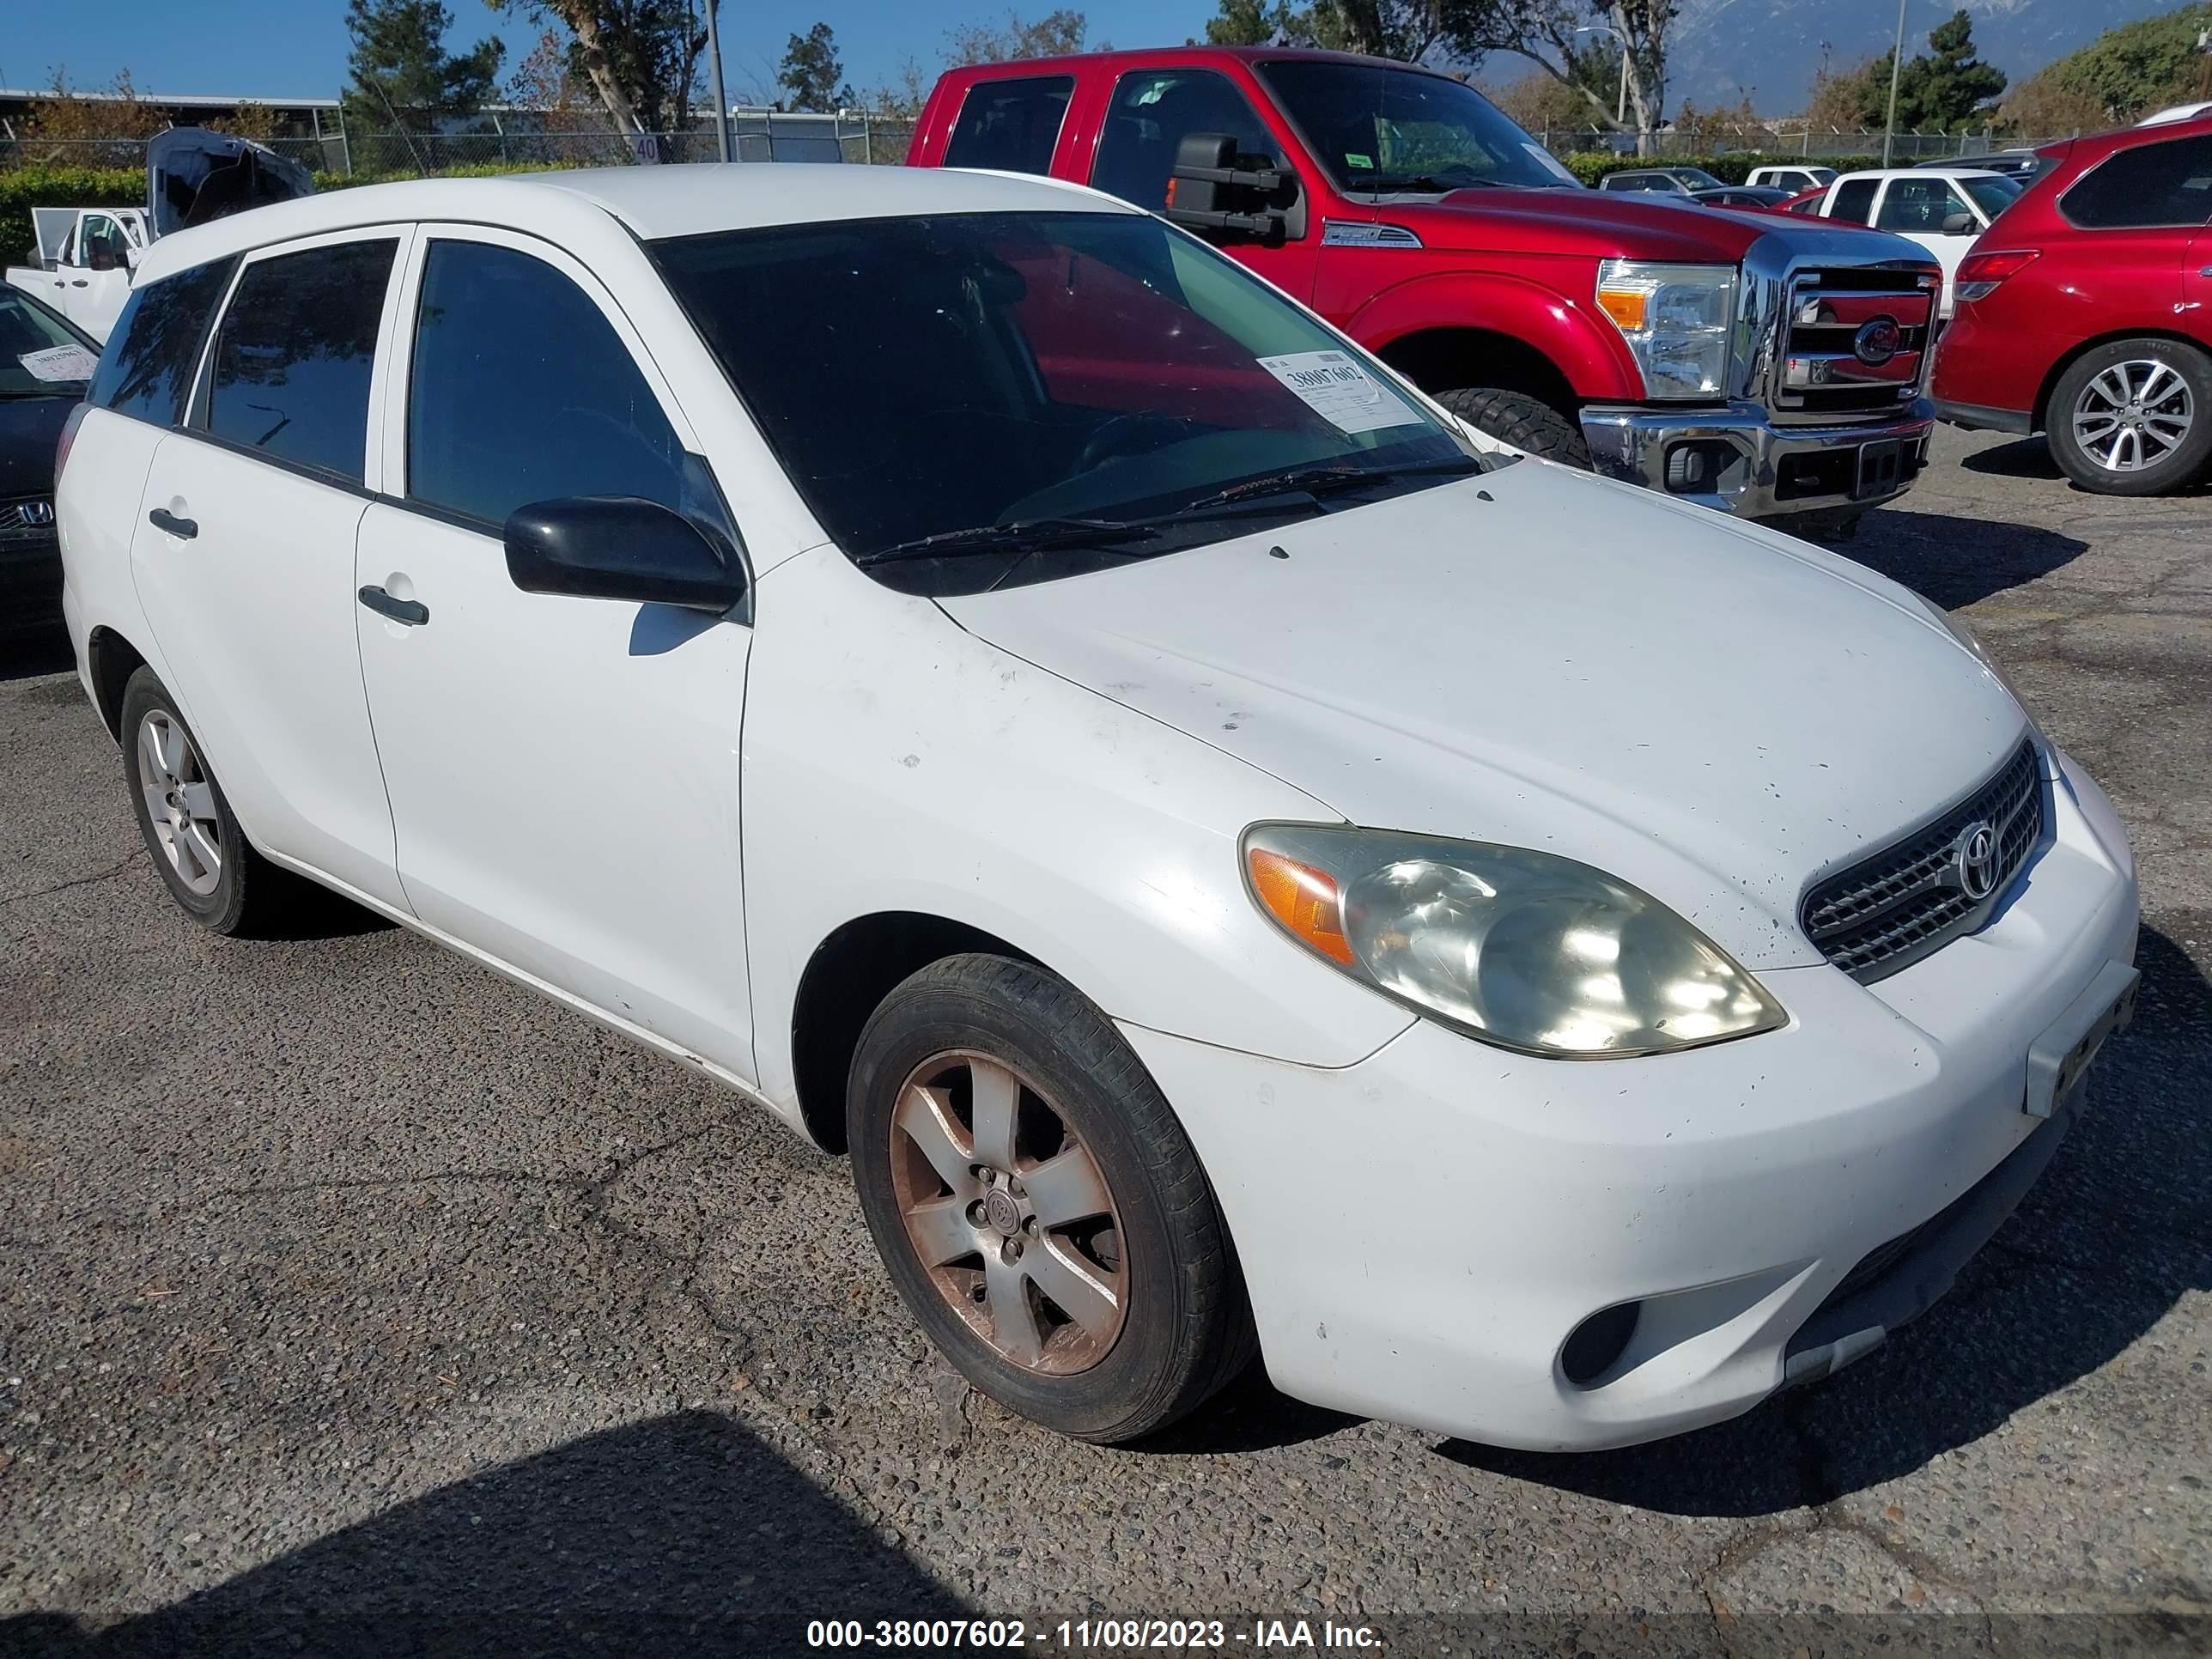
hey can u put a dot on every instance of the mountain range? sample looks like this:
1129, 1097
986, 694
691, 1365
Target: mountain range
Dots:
1721, 50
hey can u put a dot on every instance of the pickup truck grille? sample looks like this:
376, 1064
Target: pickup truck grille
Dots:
1887, 912
1855, 342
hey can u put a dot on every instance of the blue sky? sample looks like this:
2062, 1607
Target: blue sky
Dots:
297, 48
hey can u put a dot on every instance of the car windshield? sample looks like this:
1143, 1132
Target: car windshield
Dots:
951, 393
1381, 131
1993, 194
40, 356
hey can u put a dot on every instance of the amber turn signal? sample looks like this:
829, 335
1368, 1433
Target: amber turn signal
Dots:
1303, 899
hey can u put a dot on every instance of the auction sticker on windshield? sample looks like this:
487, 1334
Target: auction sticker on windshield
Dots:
1339, 390
60, 363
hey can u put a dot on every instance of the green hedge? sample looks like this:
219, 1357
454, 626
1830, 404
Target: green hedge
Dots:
1590, 166
23, 189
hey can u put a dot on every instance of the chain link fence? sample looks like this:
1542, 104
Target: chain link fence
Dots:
1786, 138
558, 140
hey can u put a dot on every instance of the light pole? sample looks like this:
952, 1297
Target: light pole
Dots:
1620, 110
1896, 64
715, 69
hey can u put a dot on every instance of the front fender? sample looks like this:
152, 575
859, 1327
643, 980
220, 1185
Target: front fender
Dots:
1585, 347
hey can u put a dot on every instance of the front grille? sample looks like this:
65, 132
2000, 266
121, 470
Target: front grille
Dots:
27, 513
1820, 373
1887, 912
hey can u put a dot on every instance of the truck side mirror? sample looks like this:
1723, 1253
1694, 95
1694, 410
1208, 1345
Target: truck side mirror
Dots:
1959, 224
1213, 188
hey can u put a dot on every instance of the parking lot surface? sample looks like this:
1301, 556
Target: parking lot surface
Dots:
356, 1301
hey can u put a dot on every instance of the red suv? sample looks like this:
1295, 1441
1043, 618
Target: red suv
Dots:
2085, 312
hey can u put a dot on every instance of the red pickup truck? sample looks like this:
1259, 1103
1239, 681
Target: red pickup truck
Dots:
1755, 363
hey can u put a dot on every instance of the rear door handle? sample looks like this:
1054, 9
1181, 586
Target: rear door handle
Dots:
412, 613
183, 529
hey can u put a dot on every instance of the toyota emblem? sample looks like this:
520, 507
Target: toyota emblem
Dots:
1978, 860
1877, 341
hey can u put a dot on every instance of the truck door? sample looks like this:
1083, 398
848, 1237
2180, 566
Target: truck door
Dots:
1150, 114
100, 281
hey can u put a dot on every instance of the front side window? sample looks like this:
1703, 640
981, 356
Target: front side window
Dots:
290, 374
1994, 194
1152, 114
105, 246
147, 369
1854, 200
955, 375
1011, 126
2151, 186
1918, 207
1383, 131
521, 392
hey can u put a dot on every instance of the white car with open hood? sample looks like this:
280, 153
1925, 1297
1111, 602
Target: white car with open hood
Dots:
1235, 859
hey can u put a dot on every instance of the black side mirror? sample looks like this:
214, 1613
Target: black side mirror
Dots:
618, 547
1959, 224
1213, 188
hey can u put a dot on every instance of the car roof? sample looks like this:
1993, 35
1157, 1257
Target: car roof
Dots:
1169, 56
649, 202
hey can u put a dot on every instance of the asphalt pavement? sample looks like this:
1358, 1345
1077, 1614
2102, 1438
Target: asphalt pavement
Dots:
353, 1301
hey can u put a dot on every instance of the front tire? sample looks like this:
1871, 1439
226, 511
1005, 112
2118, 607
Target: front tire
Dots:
1038, 1206
1529, 424
2133, 417
199, 850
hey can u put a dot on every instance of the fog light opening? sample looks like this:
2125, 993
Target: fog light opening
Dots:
1598, 1342
1702, 466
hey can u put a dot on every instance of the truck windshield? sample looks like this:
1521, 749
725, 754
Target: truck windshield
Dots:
1384, 131
938, 388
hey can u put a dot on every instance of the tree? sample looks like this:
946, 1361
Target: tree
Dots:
1055, 34
404, 78
812, 74
640, 57
1943, 87
102, 129
1406, 30
2117, 76
1546, 33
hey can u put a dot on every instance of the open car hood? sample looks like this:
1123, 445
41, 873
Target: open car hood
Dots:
193, 175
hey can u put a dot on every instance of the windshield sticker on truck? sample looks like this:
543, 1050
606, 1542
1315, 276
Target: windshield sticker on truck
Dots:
60, 363
1339, 390
1550, 163
1363, 163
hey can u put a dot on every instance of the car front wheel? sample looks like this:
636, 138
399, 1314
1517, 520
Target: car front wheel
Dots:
2134, 417
1038, 1206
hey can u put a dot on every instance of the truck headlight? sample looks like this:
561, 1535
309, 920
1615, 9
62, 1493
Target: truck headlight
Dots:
1676, 320
1522, 948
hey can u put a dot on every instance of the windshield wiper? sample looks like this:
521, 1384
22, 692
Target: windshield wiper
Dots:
1317, 481
1021, 535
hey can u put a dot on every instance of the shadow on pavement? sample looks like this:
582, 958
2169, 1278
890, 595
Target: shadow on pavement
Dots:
1957, 561
681, 1535
2028, 458
2116, 1232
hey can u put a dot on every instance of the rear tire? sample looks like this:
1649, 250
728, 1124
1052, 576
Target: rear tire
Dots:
1085, 1279
199, 850
1527, 423
2133, 417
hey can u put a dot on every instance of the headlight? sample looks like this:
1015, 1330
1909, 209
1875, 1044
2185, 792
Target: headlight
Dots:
1522, 948
1676, 320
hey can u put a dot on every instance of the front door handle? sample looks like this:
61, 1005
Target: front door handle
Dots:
78, 282
412, 613
183, 529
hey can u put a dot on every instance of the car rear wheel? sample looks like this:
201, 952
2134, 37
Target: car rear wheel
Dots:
200, 853
2134, 417
1038, 1206
1529, 424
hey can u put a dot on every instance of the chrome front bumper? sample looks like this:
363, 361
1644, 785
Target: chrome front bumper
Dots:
1737, 460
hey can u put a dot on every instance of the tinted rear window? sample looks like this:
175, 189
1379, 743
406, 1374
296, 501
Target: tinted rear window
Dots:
293, 357
147, 369
2150, 185
1009, 125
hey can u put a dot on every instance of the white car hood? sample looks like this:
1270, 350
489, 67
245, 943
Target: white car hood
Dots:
1713, 712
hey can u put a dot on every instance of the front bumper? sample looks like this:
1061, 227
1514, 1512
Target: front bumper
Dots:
1422, 1232
1737, 460
30, 583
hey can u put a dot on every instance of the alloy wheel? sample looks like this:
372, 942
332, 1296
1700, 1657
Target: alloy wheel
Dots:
1008, 1212
2134, 415
180, 802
